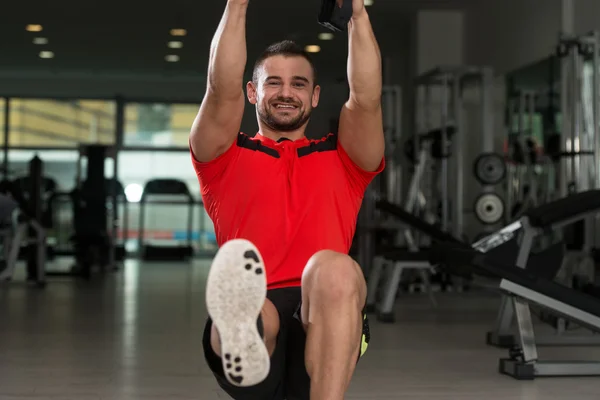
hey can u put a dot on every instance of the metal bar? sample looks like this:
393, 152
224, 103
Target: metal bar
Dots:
444, 145
6, 136
40, 273
119, 132
526, 243
141, 210
575, 128
374, 279
487, 119
567, 368
575, 314
565, 121
389, 297
458, 143
129, 100
596, 109
525, 328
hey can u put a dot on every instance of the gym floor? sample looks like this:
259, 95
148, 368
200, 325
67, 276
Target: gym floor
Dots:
137, 335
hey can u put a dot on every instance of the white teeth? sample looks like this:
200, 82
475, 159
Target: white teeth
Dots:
283, 106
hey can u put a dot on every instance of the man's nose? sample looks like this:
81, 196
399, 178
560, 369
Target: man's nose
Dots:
286, 91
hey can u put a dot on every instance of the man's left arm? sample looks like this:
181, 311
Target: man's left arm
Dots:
361, 119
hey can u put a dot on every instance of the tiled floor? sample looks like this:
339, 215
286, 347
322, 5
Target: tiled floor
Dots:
137, 335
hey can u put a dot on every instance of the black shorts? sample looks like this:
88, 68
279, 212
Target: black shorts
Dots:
287, 378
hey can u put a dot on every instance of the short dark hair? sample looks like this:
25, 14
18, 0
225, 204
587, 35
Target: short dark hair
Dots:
286, 48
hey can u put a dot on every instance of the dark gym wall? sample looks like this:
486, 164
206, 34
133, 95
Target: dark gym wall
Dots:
511, 33
101, 85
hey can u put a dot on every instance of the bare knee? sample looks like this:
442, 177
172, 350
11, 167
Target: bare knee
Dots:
332, 277
270, 320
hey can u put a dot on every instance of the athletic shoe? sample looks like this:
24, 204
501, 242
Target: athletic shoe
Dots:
235, 294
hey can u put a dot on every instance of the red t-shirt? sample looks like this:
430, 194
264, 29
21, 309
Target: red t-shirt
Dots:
290, 198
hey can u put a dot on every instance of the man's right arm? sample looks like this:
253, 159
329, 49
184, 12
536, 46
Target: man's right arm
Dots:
220, 116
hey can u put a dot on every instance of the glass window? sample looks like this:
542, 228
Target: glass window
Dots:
158, 124
61, 167
2, 105
163, 222
61, 123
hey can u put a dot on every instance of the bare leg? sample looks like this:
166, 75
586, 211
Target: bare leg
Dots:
270, 320
333, 296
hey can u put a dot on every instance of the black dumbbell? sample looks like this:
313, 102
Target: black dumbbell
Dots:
335, 17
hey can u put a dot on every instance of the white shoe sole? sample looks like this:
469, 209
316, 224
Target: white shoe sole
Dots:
235, 294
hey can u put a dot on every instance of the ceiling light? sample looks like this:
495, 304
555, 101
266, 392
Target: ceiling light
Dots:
172, 58
369, 3
46, 54
40, 40
326, 36
33, 28
178, 32
313, 48
175, 45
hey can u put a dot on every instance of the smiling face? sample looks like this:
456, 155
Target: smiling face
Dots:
284, 93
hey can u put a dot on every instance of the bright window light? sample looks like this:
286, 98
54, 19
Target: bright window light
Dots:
326, 36
369, 3
175, 45
46, 54
34, 28
134, 192
313, 48
178, 32
40, 40
172, 58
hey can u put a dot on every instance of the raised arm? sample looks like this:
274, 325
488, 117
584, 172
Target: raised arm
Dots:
218, 121
361, 119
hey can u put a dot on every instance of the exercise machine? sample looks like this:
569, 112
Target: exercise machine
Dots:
547, 260
15, 234
48, 188
168, 249
396, 259
388, 183
535, 223
93, 203
522, 288
523, 156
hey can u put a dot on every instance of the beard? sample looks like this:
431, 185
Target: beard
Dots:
283, 124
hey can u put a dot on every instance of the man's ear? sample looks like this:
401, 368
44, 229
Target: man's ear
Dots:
251, 92
316, 95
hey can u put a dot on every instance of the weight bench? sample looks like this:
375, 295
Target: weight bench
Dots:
522, 287
548, 217
400, 260
501, 245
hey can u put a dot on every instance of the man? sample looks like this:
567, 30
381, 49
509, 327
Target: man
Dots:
285, 300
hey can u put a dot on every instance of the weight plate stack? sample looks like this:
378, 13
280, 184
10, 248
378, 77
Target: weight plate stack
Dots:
490, 168
489, 208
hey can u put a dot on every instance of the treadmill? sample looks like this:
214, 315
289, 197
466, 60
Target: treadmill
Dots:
167, 249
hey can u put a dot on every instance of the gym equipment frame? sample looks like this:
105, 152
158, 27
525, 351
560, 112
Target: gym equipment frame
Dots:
523, 287
549, 217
